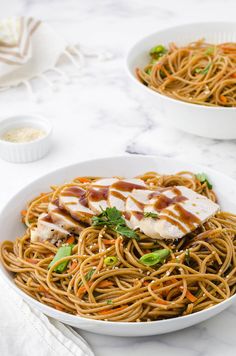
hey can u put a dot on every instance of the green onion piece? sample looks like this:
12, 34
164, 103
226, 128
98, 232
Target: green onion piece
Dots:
153, 258
148, 71
209, 50
109, 302
62, 252
203, 71
149, 214
111, 260
89, 274
202, 177
187, 257
158, 49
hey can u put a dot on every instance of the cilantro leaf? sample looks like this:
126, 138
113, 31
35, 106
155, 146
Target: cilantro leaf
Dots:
113, 218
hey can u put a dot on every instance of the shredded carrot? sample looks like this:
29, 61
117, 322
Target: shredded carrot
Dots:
228, 48
223, 99
189, 295
145, 283
104, 284
73, 266
82, 290
32, 260
109, 242
83, 180
23, 212
70, 240
42, 289
233, 75
109, 311
161, 301
147, 251
59, 308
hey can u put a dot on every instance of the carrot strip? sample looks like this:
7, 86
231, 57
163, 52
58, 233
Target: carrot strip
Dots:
189, 295
161, 301
73, 266
82, 290
42, 289
223, 99
233, 75
70, 240
23, 212
59, 308
32, 260
109, 242
83, 180
109, 311
104, 284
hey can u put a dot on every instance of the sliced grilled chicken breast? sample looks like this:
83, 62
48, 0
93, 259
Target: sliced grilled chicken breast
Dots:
61, 218
120, 190
74, 200
98, 194
47, 230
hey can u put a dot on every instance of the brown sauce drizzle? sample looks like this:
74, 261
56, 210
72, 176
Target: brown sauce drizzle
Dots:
126, 186
138, 214
78, 193
98, 194
47, 218
127, 215
183, 216
163, 201
118, 195
140, 205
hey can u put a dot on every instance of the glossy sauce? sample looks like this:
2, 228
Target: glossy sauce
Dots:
98, 194
126, 186
118, 195
78, 193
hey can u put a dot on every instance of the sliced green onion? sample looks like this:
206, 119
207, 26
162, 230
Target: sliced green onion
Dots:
158, 49
111, 260
153, 258
204, 70
209, 50
149, 214
109, 302
148, 71
202, 177
89, 274
62, 252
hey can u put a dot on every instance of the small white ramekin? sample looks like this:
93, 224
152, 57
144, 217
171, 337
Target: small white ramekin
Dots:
27, 151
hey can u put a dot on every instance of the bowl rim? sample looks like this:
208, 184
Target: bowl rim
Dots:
76, 318
162, 30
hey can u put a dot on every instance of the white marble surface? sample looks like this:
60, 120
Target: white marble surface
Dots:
101, 114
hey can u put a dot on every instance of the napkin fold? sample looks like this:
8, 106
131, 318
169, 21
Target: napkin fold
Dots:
25, 331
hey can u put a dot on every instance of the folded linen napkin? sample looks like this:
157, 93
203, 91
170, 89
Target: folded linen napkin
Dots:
25, 331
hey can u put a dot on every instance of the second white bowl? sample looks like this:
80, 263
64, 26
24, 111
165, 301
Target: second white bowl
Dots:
213, 122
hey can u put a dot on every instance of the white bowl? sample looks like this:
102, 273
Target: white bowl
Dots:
129, 166
213, 122
24, 152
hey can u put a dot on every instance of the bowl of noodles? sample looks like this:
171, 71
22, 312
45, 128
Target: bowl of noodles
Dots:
125, 246
188, 73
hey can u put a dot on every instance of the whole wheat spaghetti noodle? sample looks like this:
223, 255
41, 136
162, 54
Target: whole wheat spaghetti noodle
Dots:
199, 273
198, 73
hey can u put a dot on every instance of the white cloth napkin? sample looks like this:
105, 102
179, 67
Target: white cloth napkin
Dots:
24, 331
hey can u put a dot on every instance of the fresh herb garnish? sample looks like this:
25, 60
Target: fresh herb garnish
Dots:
109, 302
62, 252
187, 257
155, 257
112, 218
149, 214
202, 177
204, 70
111, 260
